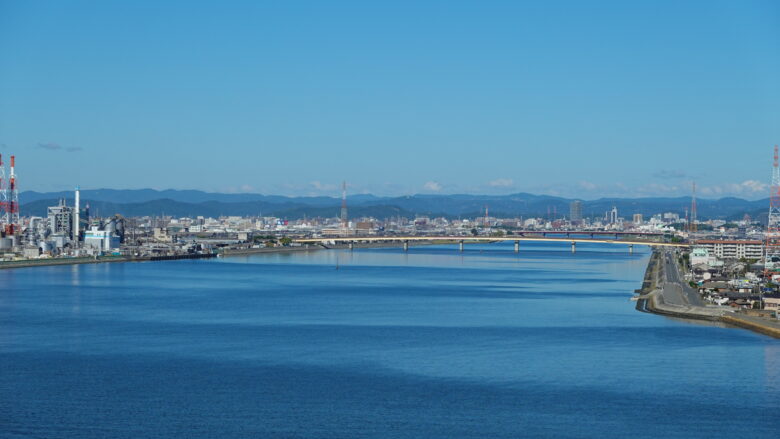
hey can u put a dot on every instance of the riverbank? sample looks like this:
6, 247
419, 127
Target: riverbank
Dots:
46, 262
664, 292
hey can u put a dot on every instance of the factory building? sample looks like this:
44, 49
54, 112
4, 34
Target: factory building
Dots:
61, 220
101, 240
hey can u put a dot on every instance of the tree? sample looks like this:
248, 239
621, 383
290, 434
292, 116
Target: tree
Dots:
474, 232
285, 241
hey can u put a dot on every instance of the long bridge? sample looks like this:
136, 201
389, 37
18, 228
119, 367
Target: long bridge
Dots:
405, 240
590, 233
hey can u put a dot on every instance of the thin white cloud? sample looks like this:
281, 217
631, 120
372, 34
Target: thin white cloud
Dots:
432, 186
323, 187
670, 174
51, 146
501, 182
657, 189
749, 188
588, 186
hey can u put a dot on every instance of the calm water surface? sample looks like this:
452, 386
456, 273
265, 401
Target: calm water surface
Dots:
429, 344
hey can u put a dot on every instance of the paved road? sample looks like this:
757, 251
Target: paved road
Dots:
676, 290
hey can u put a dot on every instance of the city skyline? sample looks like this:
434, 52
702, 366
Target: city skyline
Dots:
572, 100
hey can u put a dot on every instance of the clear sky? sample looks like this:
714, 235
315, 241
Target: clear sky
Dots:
574, 98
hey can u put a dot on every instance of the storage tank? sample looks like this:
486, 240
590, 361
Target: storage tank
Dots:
110, 226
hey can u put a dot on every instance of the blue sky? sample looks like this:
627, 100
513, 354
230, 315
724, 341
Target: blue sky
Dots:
572, 98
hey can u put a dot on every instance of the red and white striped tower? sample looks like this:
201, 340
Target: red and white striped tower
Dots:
772, 243
12, 225
3, 197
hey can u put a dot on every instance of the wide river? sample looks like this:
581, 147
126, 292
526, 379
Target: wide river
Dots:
375, 343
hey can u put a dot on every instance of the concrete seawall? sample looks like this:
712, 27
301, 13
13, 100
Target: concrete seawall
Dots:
654, 303
30, 263
752, 324
658, 282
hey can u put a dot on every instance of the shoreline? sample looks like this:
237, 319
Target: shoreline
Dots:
652, 300
49, 262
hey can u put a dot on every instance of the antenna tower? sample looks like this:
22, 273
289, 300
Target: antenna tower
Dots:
772, 244
344, 222
12, 205
3, 196
693, 227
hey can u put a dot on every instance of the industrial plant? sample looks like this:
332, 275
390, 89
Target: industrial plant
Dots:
65, 231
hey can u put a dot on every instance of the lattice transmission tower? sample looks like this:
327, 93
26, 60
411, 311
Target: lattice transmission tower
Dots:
772, 243
14, 225
3, 197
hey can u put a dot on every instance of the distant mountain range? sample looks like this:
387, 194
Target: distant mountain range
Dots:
141, 202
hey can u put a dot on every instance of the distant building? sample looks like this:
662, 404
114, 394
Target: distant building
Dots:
772, 302
638, 219
364, 227
101, 240
700, 255
575, 211
161, 234
736, 249
61, 219
613, 215
671, 217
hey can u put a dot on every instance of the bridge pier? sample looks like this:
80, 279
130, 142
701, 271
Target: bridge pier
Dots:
406, 246
630, 249
460, 245
351, 245
517, 246
574, 247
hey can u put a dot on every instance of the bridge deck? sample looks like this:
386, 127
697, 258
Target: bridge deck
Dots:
402, 239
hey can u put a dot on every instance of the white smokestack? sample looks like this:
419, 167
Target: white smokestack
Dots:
76, 223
